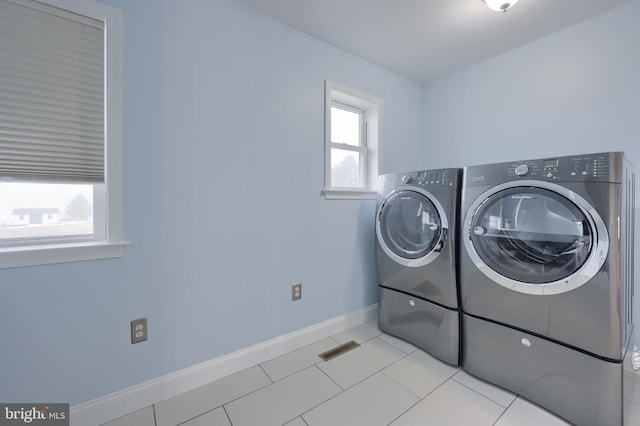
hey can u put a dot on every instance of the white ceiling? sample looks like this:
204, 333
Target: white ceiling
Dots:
425, 39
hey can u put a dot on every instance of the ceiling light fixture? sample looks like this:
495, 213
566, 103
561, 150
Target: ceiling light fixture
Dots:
500, 5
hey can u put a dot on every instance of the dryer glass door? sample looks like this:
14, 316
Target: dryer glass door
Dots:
531, 235
410, 225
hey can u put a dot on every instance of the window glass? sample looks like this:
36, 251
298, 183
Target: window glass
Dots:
32, 210
345, 168
345, 126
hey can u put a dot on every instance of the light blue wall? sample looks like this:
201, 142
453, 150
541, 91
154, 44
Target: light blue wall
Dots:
576, 91
223, 167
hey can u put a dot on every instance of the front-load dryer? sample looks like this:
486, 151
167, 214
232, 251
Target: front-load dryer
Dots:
416, 236
546, 279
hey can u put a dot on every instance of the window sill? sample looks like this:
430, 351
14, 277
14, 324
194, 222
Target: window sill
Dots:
345, 194
13, 257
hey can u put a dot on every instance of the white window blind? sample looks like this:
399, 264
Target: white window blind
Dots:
52, 87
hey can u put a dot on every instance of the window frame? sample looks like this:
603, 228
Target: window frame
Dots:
108, 206
370, 147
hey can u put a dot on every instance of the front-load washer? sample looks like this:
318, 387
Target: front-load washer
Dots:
546, 279
416, 252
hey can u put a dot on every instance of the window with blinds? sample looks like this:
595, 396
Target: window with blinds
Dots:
57, 180
51, 94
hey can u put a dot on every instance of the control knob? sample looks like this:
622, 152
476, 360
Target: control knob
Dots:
406, 179
522, 170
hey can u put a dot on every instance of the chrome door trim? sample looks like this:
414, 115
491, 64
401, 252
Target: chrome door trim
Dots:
429, 257
589, 269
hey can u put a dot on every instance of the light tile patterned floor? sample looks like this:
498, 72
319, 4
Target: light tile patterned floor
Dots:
385, 381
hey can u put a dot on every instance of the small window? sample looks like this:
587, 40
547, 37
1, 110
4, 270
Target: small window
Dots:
348, 147
60, 132
353, 138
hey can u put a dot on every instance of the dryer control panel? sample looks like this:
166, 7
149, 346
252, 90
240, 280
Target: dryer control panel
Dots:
602, 167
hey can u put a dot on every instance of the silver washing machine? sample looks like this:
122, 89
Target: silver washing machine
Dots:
546, 279
416, 218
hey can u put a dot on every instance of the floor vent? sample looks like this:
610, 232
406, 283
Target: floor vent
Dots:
338, 350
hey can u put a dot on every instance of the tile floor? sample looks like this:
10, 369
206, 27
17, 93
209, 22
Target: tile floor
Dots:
385, 381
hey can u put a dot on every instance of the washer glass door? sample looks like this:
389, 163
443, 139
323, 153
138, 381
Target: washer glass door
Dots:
410, 227
531, 235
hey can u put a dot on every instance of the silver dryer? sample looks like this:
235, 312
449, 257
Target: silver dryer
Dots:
546, 277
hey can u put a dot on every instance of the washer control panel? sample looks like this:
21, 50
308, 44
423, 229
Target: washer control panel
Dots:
444, 178
434, 179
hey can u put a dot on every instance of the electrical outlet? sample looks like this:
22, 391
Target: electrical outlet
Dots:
139, 332
296, 291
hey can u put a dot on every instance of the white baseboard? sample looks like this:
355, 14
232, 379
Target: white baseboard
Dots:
126, 401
